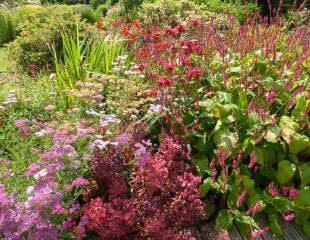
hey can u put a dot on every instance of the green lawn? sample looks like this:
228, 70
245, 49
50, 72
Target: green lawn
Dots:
4, 62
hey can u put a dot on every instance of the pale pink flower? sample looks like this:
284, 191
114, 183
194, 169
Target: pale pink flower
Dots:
289, 216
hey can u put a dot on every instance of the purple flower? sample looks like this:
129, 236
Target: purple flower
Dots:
32, 168
123, 138
76, 183
68, 223
79, 182
51, 155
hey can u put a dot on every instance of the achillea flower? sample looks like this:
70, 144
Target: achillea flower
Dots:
40, 174
79, 182
51, 155
21, 123
32, 168
58, 209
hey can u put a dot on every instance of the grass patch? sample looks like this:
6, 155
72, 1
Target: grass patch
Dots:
4, 61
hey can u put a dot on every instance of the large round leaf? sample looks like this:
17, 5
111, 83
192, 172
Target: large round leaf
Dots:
286, 171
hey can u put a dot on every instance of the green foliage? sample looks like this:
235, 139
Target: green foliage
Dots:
96, 3
101, 10
163, 12
7, 27
236, 8
102, 52
39, 31
87, 13
81, 56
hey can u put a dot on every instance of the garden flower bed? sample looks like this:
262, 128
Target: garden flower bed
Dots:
113, 127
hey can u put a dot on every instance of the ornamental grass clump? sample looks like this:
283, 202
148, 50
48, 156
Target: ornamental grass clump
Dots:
239, 97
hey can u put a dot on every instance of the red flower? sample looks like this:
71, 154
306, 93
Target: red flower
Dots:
153, 92
136, 23
164, 81
169, 66
99, 24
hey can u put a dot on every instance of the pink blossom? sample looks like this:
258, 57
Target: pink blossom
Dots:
252, 159
68, 223
257, 233
271, 95
293, 193
58, 209
21, 123
289, 216
273, 190
32, 168
76, 183
253, 209
241, 198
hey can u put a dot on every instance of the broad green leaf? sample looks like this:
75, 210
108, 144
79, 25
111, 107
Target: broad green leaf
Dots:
303, 198
302, 216
272, 135
306, 228
243, 101
235, 70
269, 155
210, 210
259, 155
201, 162
302, 104
276, 228
304, 172
254, 118
298, 143
224, 220
248, 183
205, 187
285, 172
227, 140
287, 122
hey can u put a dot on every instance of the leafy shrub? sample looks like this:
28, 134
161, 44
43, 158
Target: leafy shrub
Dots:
101, 10
87, 13
32, 49
7, 27
169, 12
298, 18
96, 3
238, 9
240, 100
